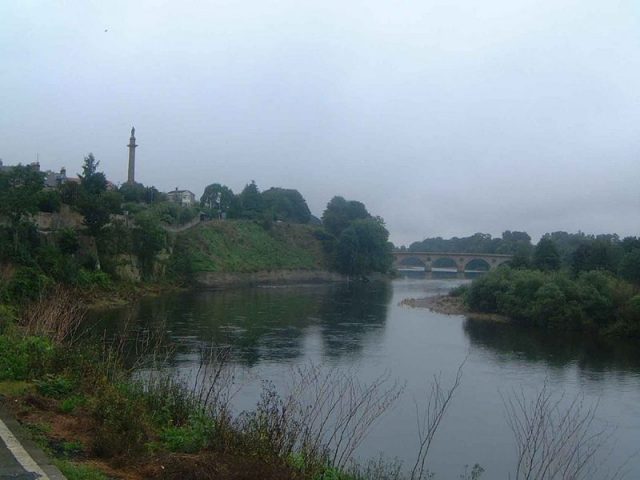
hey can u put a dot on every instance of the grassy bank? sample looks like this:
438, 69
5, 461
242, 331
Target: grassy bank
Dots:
245, 247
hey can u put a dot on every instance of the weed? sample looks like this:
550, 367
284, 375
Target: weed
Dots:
72, 449
189, 438
22, 358
76, 471
14, 388
69, 404
39, 432
55, 386
122, 422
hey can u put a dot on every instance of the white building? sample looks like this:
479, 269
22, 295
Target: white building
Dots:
183, 197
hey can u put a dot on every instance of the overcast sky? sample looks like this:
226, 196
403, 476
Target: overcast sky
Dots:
445, 117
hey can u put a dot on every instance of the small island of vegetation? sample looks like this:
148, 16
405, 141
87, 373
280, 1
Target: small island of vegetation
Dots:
566, 282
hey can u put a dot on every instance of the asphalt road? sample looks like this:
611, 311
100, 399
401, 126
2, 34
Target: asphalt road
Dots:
20, 458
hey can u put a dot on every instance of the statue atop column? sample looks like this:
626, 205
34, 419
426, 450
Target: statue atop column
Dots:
131, 177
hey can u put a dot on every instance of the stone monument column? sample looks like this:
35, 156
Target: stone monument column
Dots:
131, 177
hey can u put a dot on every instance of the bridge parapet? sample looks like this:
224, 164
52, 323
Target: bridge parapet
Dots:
461, 260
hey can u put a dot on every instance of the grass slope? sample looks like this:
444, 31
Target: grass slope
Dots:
244, 246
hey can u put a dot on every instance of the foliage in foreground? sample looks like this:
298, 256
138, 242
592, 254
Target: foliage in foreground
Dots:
594, 301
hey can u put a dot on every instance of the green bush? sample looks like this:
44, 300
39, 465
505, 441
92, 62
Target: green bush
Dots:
69, 404
88, 278
55, 386
24, 358
75, 471
121, 419
594, 300
27, 284
459, 291
195, 435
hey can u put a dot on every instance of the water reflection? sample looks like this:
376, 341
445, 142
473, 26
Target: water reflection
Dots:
260, 324
509, 344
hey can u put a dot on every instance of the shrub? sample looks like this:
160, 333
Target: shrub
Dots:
23, 358
55, 386
195, 435
121, 417
68, 405
27, 284
594, 300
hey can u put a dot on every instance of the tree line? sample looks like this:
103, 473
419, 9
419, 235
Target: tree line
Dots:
129, 220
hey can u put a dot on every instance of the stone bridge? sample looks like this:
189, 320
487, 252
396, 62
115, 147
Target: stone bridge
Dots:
461, 259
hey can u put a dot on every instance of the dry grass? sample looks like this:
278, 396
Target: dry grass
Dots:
56, 316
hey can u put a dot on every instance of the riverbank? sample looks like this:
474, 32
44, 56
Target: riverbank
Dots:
221, 280
87, 410
450, 305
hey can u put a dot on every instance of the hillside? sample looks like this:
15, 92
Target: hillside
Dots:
247, 247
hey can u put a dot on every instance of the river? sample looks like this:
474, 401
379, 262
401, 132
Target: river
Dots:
363, 329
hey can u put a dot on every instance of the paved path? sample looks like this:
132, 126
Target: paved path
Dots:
20, 459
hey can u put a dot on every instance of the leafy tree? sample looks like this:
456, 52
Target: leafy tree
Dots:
71, 193
49, 201
149, 238
515, 243
363, 247
251, 202
219, 198
68, 241
287, 205
630, 243
595, 255
476, 243
138, 193
92, 181
630, 266
19, 190
112, 201
96, 214
340, 213
546, 256
133, 192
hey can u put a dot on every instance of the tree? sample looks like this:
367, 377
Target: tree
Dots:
71, 193
149, 238
287, 205
49, 201
251, 202
96, 214
630, 266
595, 255
133, 192
340, 213
546, 256
138, 193
363, 247
515, 243
19, 194
219, 198
92, 181
19, 189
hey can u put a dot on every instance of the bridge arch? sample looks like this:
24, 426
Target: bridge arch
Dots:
445, 262
478, 264
409, 262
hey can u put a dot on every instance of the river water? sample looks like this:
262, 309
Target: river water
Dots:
364, 329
